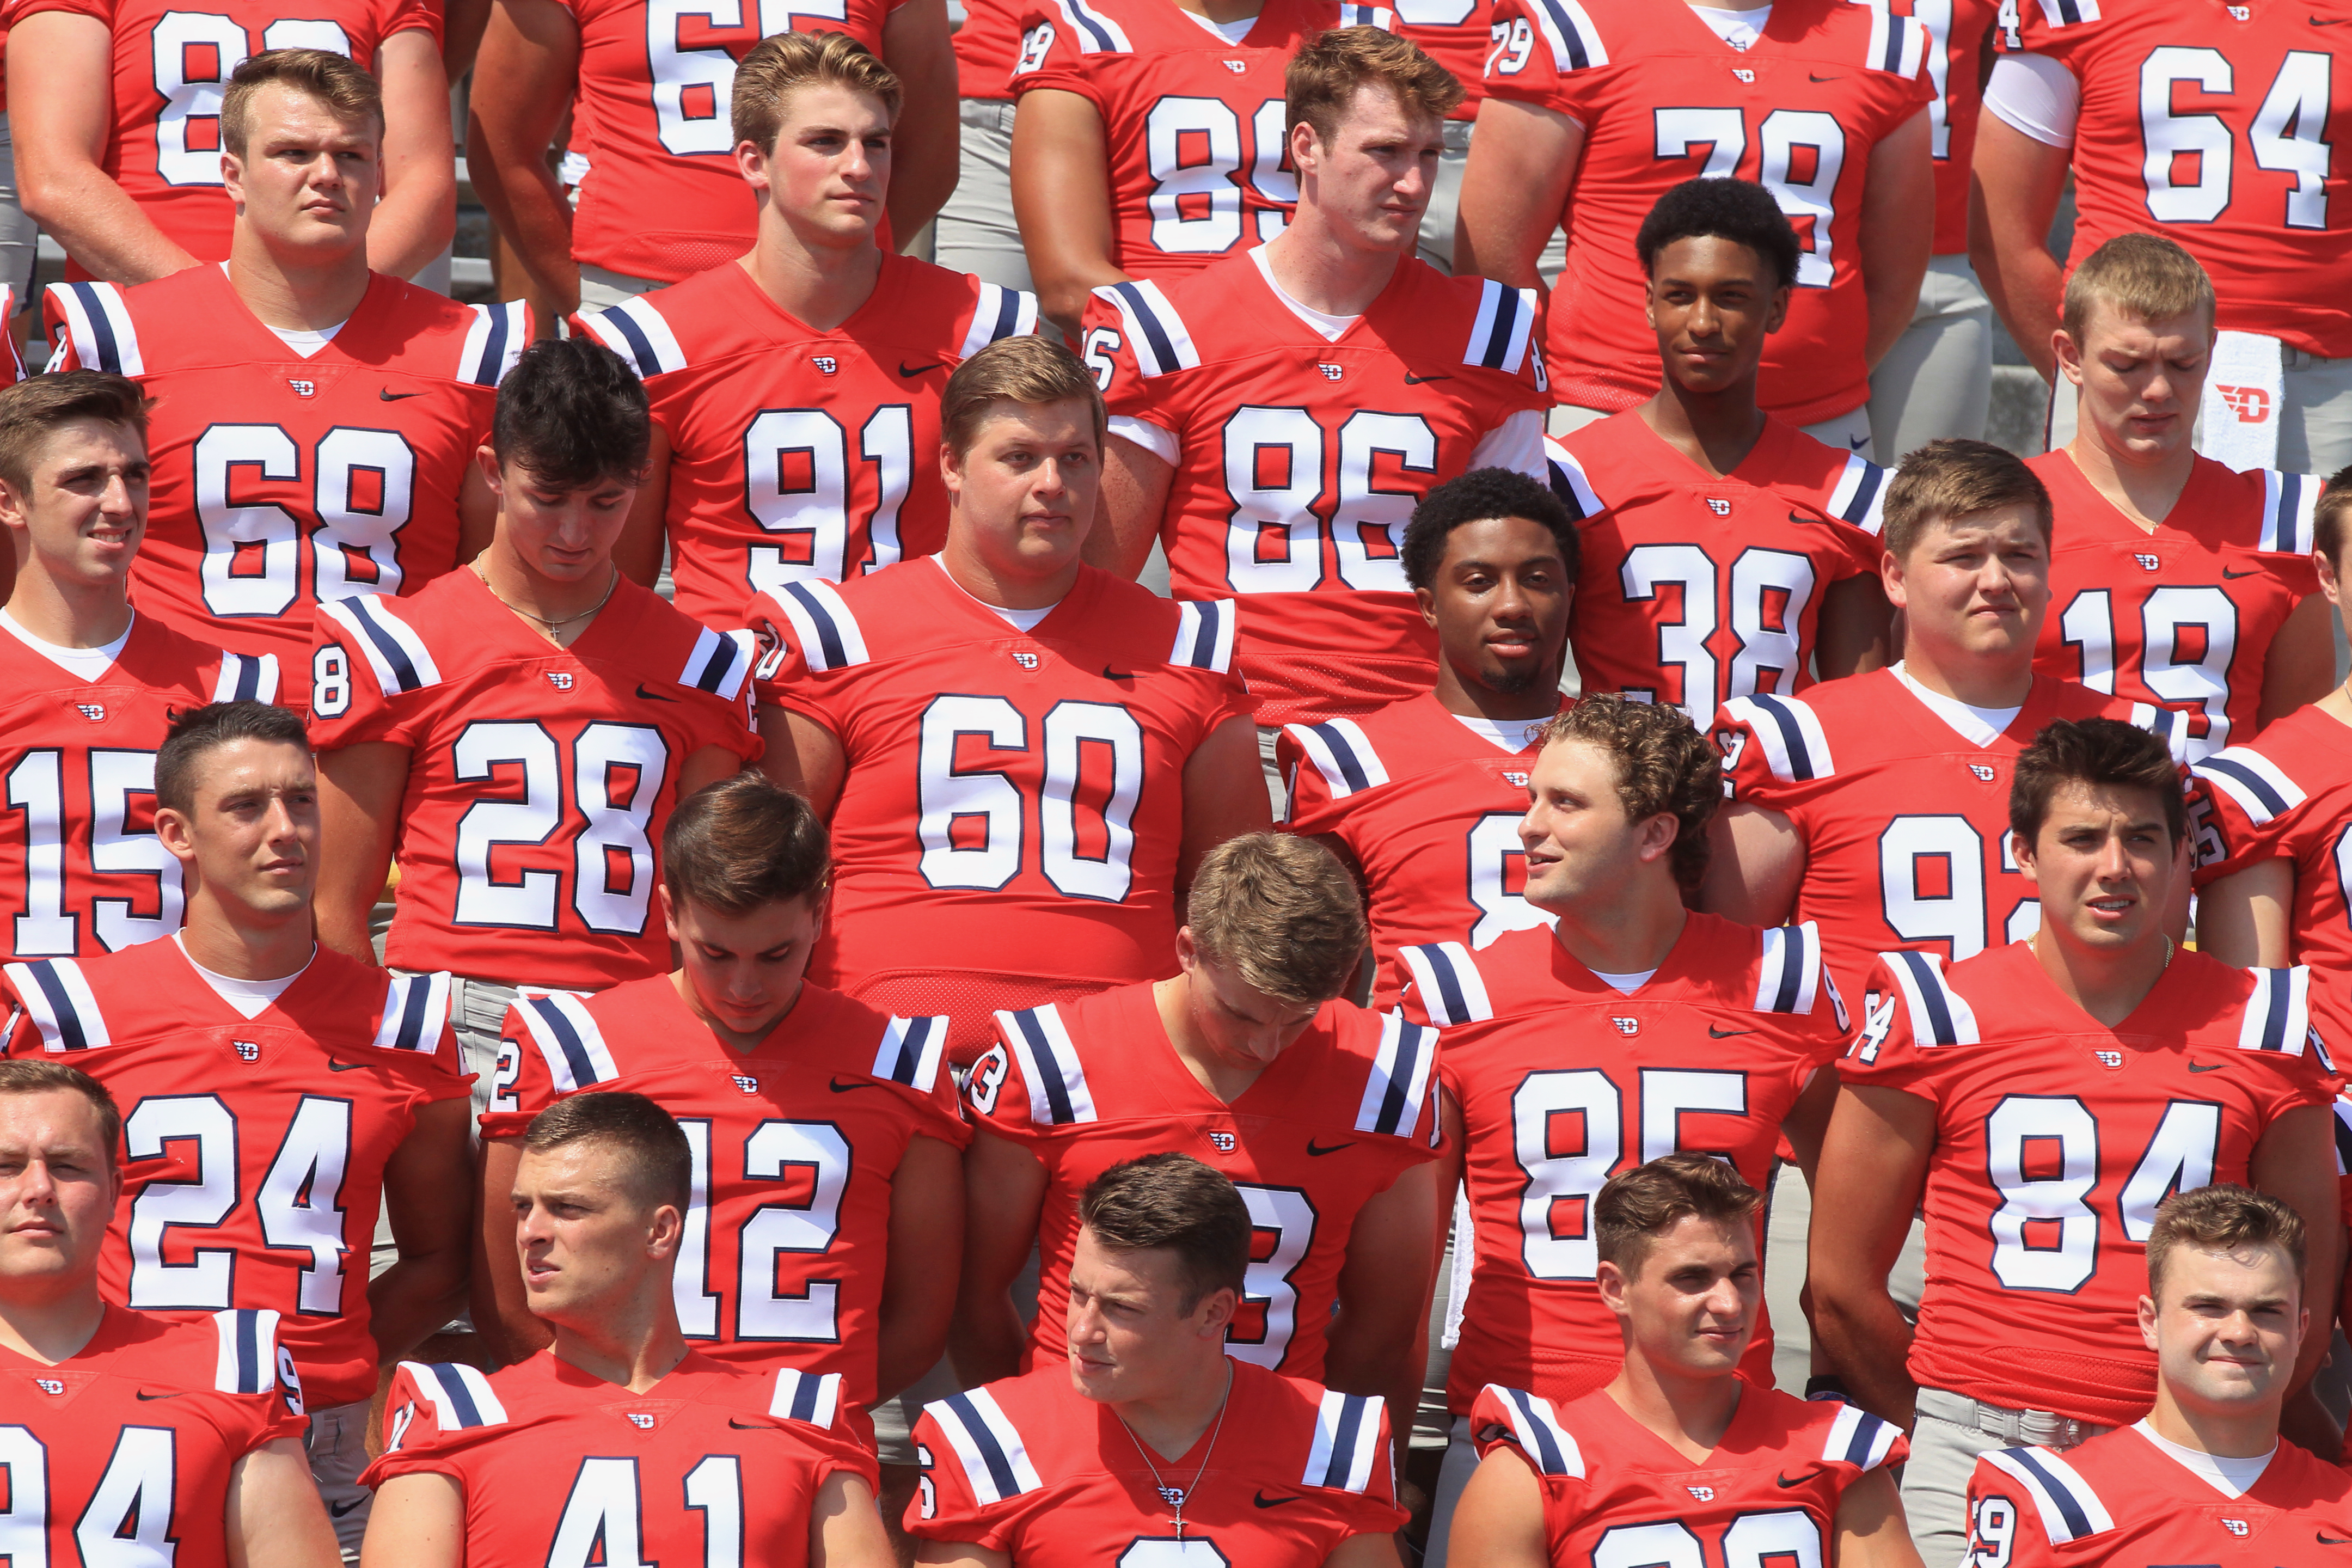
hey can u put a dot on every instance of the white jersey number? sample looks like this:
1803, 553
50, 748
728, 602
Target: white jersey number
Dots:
1763, 597
796, 483
692, 87
974, 822
1196, 204
2287, 135
810, 1156
363, 486
603, 1518
616, 773
1785, 1538
194, 51
47, 929
298, 1203
127, 1523
2188, 636
1282, 1220
1497, 860
1285, 515
1788, 140
1572, 1130
1932, 886
2061, 1251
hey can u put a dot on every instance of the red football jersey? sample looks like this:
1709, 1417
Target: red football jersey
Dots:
1454, 33
122, 1452
1613, 1492
2056, 1139
1430, 809
985, 46
1337, 1118
1042, 774
2215, 125
1031, 1467
1695, 589
1663, 99
334, 475
656, 78
255, 1146
80, 869
1958, 36
1196, 148
1298, 460
539, 778
171, 66
1904, 818
2183, 617
1548, 1122
713, 1463
764, 1278
2119, 1499
797, 453
2288, 795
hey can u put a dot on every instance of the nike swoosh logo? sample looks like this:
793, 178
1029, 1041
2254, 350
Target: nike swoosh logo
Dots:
2329, 22
2204, 1067
1796, 1480
144, 1394
391, 396
651, 695
1714, 1034
905, 370
1412, 380
1315, 1150
1265, 1501
2227, 572
2320, 1535
334, 1066
1110, 674
1815, 76
1852, 443
748, 1426
340, 1509
840, 1088
1799, 517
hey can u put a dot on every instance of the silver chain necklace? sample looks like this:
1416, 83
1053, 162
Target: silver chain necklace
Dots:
1176, 1497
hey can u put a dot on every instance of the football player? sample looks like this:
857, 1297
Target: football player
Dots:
1422, 798
620, 1443
1593, 112
1736, 553
2226, 137
280, 1094
1277, 416
315, 421
2202, 1474
2041, 1098
90, 687
646, 90
796, 390
1320, 1112
130, 1437
1048, 1470
2280, 803
515, 737
1679, 1433
1598, 1023
1064, 745
2177, 580
124, 149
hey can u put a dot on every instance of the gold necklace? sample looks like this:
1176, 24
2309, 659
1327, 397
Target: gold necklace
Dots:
484, 578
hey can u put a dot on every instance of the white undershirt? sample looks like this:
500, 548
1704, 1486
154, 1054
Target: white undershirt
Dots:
84, 664
2035, 95
1231, 32
301, 339
2230, 1477
1741, 29
1331, 326
1508, 735
1019, 620
1981, 726
1628, 984
251, 998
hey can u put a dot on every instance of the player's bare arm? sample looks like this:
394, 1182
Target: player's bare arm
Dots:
1875, 1159
432, 1229
1376, 1342
1062, 200
803, 757
502, 1309
1857, 622
638, 552
1808, 1121
1757, 867
845, 1531
1224, 794
1004, 1190
1132, 502
926, 1214
418, 214
1513, 190
419, 1522
2294, 1163
273, 1514
1898, 232
528, 66
2301, 669
60, 101
359, 791
961, 1554
926, 141
706, 766
2247, 919
1365, 1552
1870, 1528
2013, 191
1499, 1521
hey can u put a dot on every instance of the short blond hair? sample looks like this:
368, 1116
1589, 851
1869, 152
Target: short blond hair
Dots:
1953, 478
2143, 275
780, 65
1322, 77
321, 74
1281, 913
1031, 369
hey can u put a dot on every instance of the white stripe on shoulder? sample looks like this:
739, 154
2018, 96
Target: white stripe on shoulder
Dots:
2288, 502
1399, 1081
568, 1039
2277, 1017
1499, 333
1796, 747
246, 677
996, 1461
1860, 495
1452, 990
1205, 634
813, 1397
1000, 313
98, 324
1788, 978
1535, 1428
2069, 1508
2259, 785
1342, 754
1156, 335
828, 636
1055, 1078
1857, 1438
719, 663
1381, 16
1897, 43
1569, 28
495, 339
390, 646
415, 1012
56, 995
1939, 1014
1569, 483
637, 331
911, 1051
2068, 13
1347, 1442
1097, 33
460, 1395
246, 1362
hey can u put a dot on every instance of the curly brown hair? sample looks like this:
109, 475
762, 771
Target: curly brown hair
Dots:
1664, 767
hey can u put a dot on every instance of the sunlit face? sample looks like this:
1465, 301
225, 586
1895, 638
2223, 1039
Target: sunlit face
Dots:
829, 171
251, 834
308, 179
2141, 380
1500, 602
743, 972
1130, 1335
1022, 494
1580, 839
1711, 301
84, 507
585, 1237
1372, 179
1974, 588
1690, 1304
1242, 1026
58, 1183
564, 534
2225, 1328
2103, 865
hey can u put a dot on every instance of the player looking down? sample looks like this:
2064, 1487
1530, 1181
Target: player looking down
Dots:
618, 1436
1148, 1442
1681, 1433
132, 1437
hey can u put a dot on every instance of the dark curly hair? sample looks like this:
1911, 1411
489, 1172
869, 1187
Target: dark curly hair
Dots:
1474, 497
1737, 210
573, 414
1664, 767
